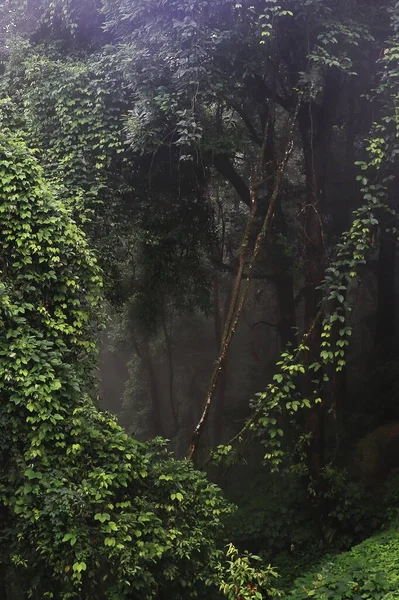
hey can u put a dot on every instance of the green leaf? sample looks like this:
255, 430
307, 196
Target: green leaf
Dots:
79, 566
102, 517
110, 541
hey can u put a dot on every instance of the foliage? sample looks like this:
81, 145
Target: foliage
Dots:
273, 514
73, 23
244, 581
72, 113
87, 509
284, 397
172, 263
71, 110
211, 92
192, 87
131, 136
343, 507
206, 91
369, 572
277, 519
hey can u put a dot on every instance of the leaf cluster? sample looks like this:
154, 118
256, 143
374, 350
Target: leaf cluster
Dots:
367, 572
87, 509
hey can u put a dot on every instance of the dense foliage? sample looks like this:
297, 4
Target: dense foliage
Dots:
233, 166
86, 508
369, 572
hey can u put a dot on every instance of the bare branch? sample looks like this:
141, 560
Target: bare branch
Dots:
225, 167
238, 298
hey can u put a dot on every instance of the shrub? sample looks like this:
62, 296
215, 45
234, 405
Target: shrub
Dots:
87, 511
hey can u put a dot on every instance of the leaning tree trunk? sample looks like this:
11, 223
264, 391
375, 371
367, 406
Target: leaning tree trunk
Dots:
240, 292
220, 315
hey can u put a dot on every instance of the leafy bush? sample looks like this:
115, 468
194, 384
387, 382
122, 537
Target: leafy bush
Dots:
294, 525
87, 511
273, 513
348, 513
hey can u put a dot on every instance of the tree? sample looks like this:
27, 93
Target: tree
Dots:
218, 98
87, 510
205, 90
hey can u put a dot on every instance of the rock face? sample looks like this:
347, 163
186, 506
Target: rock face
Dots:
377, 453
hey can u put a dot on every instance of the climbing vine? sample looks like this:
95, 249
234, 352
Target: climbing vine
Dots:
72, 112
283, 397
87, 511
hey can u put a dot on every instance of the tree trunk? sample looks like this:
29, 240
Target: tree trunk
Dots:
220, 399
314, 257
313, 127
157, 427
171, 376
315, 121
386, 310
3, 583
284, 287
239, 295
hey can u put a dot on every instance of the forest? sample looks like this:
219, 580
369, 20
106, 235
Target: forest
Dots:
199, 299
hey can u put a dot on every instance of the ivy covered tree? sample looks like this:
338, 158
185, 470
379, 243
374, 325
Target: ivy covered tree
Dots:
87, 511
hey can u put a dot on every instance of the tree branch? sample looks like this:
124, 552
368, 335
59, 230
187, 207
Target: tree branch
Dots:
224, 166
260, 92
233, 271
238, 299
275, 325
248, 124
